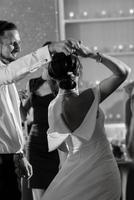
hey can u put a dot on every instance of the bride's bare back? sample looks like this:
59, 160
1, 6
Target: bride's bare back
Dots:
75, 108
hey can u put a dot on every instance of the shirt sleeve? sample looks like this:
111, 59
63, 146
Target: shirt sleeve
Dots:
24, 65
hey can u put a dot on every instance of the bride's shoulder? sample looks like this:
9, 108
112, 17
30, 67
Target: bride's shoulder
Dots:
54, 104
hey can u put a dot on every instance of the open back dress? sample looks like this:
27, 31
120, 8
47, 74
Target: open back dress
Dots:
90, 171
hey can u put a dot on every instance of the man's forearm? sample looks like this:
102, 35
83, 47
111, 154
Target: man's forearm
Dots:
24, 65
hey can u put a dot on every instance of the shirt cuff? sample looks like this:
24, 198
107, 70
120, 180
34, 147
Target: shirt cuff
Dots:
43, 56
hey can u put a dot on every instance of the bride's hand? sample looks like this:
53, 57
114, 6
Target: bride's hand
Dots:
79, 49
84, 51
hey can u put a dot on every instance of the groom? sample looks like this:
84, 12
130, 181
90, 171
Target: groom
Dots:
11, 134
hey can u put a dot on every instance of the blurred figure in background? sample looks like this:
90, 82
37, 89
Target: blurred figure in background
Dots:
45, 164
128, 111
129, 121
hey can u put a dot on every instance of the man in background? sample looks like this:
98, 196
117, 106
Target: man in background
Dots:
129, 121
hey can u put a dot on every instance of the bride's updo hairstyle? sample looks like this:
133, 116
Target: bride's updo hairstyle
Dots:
64, 69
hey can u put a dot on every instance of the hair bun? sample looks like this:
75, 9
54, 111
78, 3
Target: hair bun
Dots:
67, 83
64, 69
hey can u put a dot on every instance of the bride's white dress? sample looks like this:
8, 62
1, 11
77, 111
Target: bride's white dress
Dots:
90, 171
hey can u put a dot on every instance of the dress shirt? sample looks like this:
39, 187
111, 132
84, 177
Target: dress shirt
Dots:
11, 133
